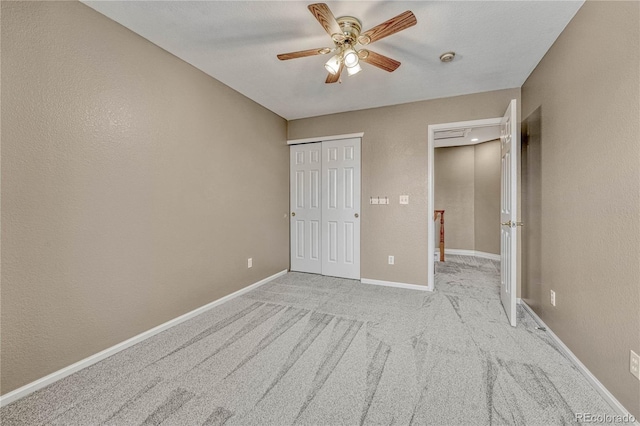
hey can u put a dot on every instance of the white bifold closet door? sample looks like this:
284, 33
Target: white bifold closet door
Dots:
306, 207
341, 208
325, 208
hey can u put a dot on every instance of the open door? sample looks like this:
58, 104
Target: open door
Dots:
509, 210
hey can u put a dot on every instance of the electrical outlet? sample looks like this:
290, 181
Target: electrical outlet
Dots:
249, 262
391, 260
553, 298
373, 200
634, 364
404, 199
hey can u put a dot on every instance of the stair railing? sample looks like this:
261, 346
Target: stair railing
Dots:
435, 216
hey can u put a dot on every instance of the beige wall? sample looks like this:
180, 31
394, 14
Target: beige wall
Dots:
467, 187
588, 90
486, 226
394, 162
130, 195
453, 192
134, 187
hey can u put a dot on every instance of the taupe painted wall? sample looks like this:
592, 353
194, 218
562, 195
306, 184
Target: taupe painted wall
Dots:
588, 90
467, 187
134, 187
394, 162
453, 175
486, 226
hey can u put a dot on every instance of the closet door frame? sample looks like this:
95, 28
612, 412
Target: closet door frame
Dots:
354, 212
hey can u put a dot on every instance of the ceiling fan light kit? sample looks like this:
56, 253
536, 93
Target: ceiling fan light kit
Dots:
333, 64
354, 69
350, 57
346, 35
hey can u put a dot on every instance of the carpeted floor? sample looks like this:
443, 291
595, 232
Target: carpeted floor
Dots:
307, 349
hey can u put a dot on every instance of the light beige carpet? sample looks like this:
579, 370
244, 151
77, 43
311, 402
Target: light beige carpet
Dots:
307, 349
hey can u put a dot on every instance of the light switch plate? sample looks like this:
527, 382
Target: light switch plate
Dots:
404, 199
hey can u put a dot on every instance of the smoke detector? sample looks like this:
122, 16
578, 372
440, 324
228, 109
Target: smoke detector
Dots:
447, 57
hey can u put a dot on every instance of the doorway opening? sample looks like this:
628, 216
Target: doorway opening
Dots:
531, 190
510, 154
467, 189
447, 135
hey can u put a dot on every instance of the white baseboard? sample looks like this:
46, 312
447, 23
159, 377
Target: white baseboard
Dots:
459, 252
394, 284
485, 255
60, 374
599, 387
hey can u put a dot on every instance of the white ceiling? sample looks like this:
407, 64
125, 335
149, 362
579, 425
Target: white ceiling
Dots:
497, 45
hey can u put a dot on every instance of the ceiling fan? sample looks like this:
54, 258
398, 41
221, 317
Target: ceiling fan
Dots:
346, 35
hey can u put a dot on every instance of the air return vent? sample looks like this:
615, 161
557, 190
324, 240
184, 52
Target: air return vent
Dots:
451, 134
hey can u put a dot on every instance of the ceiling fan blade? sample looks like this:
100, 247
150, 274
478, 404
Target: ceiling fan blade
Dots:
378, 60
387, 28
304, 53
323, 14
334, 78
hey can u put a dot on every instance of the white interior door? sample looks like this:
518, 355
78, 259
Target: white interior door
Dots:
508, 210
341, 208
306, 208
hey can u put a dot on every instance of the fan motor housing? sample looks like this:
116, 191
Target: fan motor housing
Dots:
351, 28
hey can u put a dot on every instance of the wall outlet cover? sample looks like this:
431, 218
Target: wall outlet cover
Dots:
391, 260
553, 298
249, 262
404, 199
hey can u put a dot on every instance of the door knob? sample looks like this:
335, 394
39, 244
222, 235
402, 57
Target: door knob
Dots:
356, 215
293, 214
